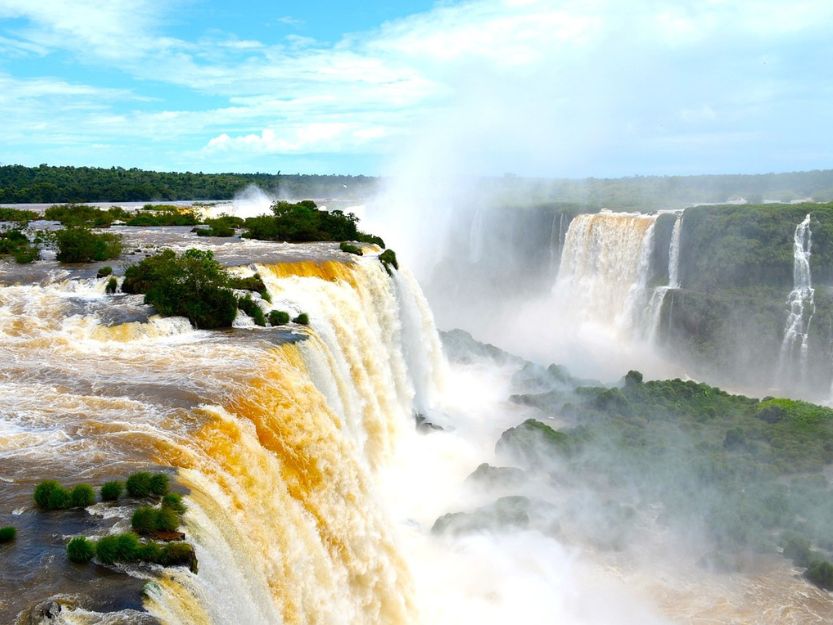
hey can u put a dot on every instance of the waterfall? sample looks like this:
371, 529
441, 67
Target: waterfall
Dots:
279, 435
556, 238
284, 469
476, 235
655, 305
674, 254
792, 360
606, 266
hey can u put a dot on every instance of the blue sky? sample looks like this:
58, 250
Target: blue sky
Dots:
531, 87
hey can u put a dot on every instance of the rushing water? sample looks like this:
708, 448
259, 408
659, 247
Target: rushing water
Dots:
657, 301
792, 361
310, 494
605, 267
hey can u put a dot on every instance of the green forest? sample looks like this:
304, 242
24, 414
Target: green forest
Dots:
46, 184
59, 184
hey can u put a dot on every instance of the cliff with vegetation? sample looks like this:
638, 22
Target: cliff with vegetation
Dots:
736, 273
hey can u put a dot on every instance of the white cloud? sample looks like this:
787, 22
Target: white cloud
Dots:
570, 74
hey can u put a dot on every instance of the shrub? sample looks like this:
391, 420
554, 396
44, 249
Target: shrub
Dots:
112, 285
143, 520
302, 319
303, 222
177, 554
138, 484
252, 283
278, 317
111, 491
80, 550
49, 495
251, 308
80, 245
81, 215
82, 496
820, 573
361, 237
118, 548
26, 254
632, 378
174, 502
797, 549
15, 214
193, 285
146, 520
388, 260
105, 271
219, 227
159, 484
163, 216
7, 534
167, 519
149, 552
350, 248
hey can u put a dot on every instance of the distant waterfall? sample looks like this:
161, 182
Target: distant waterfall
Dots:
556, 237
674, 254
801, 305
653, 317
605, 267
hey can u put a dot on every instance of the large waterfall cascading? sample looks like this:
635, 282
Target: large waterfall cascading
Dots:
657, 302
280, 445
792, 360
605, 267
284, 469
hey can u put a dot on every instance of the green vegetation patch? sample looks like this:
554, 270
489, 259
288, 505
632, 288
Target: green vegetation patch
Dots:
220, 227
80, 550
303, 222
7, 534
148, 520
278, 317
253, 309
163, 215
746, 470
388, 260
15, 243
111, 491
84, 216
146, 484
192, 285
16, 214
81, 245
350, 248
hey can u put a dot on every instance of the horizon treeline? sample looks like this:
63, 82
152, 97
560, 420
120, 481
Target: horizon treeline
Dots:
47, 184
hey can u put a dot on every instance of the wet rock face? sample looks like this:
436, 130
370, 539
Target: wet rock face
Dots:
488, 476
58, 610
425, 426
504, 513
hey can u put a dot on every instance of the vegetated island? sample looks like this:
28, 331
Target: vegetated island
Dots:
748, 475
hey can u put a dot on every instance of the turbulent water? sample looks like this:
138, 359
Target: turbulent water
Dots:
278, 443
657, 302
311, 495
792, 361
605, 267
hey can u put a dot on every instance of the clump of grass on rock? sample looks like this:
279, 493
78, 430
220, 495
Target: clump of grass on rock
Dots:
146, 484
7, 534
111, 491
80, 550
